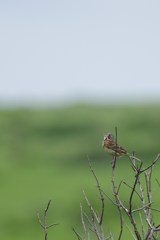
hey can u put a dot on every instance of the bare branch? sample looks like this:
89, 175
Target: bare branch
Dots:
158, 182
139, 209
139, 189
44, 225
114, 159
93, 213
109, 198
100, 193
149, 194
39, 220
95, 227
82, 219
155, 209
132, 188
131, 232
78, 236
119, 204
142, 224
153, 163
138, 171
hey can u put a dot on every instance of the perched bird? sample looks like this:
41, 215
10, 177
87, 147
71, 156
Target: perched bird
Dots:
111, 147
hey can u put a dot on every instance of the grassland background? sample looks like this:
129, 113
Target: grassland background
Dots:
43, 155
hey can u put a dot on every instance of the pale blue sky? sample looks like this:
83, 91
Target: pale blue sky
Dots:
58, 51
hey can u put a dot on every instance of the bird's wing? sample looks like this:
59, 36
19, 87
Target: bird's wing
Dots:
117, 148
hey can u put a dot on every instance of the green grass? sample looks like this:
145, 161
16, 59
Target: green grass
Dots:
43, 155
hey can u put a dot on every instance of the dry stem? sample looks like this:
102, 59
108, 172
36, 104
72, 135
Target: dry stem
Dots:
44, 225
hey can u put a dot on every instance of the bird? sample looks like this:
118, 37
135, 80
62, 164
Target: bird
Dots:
112, 147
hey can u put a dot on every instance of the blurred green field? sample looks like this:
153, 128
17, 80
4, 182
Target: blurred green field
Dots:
43, 155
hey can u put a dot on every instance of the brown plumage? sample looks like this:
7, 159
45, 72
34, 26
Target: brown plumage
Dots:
111, 147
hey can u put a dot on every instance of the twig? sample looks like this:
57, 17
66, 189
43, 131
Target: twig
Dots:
114, 159
138, 171
131, 232
116, 191
141, 208
44, 225
120, 206
82, 219
132, 188
158, 182
142, 191
94, 221
93, 213
153, 163
78, 236
142, 224
100, 193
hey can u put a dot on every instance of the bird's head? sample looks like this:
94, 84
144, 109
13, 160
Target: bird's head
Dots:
108, 136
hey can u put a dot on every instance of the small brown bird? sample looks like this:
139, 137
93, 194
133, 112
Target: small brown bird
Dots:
111, 147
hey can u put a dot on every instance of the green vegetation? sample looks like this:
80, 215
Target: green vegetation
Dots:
43, 155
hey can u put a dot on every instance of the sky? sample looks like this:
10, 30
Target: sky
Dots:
66, 51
